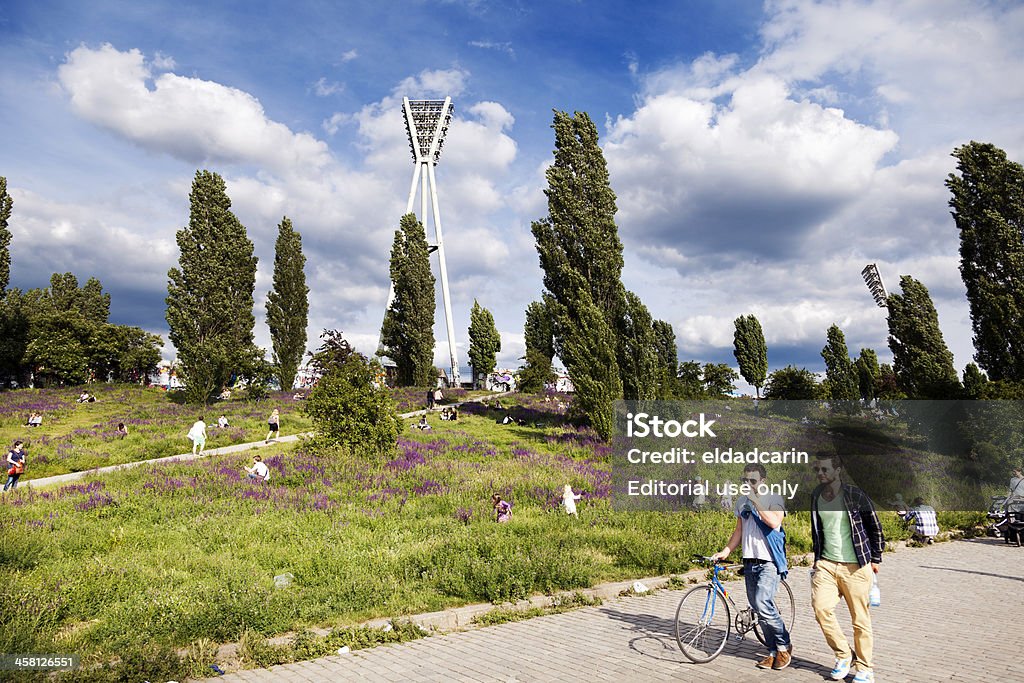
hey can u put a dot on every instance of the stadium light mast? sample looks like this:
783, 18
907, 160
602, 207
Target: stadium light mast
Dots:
874, 282
426, 124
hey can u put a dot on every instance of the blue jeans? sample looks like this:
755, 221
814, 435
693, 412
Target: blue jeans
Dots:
762, 581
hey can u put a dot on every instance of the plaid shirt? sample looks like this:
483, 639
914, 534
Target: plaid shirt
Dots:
924, 520
868, 539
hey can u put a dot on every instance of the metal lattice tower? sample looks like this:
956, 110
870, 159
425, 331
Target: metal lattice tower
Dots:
426, 123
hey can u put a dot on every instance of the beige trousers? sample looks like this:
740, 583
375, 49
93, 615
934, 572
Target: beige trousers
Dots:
853, 583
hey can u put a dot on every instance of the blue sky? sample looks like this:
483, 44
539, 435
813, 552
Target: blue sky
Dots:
761, 153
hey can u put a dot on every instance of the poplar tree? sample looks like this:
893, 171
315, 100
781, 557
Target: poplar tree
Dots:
581, 256
840, 378
538, 333
922, 361
867, 373
484, 341
408, 331
668, 358
750, 351
6, 206
210, 294
636, 350
988, 208
288, 304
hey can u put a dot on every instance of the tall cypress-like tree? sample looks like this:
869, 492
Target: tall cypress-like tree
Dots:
636, 350
408, 331
867, 373
210, 294
750, 351
920, 357
840, 377
6, 206
288, 304
581, 256
668, 358
538, 333
484, 341
988, 207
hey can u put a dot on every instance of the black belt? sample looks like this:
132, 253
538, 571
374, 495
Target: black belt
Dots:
752, 560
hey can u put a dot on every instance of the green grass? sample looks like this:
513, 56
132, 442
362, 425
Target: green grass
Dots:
182, 555
77, 437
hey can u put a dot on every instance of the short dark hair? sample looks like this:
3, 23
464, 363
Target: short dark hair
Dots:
756, 467
257, 457
837, 462
19, 442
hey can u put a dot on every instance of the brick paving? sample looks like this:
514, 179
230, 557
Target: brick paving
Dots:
949, 612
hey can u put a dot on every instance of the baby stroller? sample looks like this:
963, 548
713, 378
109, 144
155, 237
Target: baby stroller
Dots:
1015, 520
1007, 515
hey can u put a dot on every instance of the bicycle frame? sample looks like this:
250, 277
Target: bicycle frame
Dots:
720, 589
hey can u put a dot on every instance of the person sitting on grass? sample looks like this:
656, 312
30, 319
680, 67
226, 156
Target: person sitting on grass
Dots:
86, 397
502, 509
225, 395
122, 430
222, 422
259, 470
35, 420
422, 424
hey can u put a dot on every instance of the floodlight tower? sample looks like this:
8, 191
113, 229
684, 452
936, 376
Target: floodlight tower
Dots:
874, 282
426, 123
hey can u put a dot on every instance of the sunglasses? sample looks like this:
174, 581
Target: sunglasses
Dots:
746, 480
821, 469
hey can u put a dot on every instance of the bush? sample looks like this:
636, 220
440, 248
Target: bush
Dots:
347, 409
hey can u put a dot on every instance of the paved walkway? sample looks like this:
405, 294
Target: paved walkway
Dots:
949, 612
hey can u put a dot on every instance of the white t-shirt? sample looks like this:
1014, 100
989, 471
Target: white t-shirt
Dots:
198, 431
755, 546
260, 469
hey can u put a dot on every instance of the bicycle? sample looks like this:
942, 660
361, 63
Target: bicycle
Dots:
703, 618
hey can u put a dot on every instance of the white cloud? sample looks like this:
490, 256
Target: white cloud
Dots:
189, 118
505, 47
349, 55
323, 88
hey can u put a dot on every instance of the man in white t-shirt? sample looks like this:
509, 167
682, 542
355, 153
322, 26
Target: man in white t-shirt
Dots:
759, 513
259, 470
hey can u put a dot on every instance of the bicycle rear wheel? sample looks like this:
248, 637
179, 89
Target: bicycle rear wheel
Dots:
702, 624
787, 610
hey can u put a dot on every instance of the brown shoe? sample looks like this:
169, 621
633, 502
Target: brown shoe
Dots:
767, 662
783, 659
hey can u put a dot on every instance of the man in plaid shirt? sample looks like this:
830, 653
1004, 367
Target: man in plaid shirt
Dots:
924, 524
848, 542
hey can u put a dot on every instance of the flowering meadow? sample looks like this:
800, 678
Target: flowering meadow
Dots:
178, 555
76, 437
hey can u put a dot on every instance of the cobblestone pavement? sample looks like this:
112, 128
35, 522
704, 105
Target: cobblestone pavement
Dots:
949, 612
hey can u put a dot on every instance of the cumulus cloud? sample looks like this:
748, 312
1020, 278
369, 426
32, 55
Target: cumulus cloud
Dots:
189, 118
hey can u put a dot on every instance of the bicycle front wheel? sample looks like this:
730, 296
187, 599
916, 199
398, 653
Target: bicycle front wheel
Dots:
702, 624
787, 610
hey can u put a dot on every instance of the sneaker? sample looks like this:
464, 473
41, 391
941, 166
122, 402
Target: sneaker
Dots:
767, 662
841, 669
864, 676
783, 659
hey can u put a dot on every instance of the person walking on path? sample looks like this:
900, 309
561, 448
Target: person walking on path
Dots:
15, 465
1016, 484
430, 399
848, 541
759, 530
274, 425
198, 436
569, 500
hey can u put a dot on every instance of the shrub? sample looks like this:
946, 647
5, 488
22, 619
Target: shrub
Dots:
348, 407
